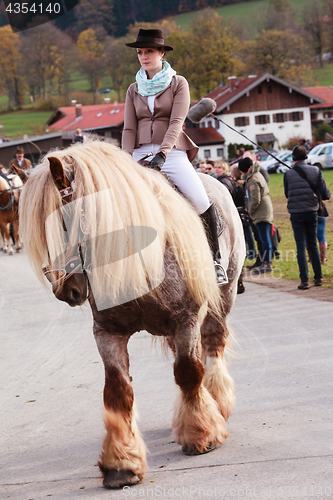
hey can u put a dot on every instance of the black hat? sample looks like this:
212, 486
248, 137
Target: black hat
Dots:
149, 39
244, 164
299, 153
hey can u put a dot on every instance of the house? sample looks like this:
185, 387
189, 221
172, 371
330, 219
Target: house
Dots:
265, 109
321, 112
34, 147
105, 120
209, 141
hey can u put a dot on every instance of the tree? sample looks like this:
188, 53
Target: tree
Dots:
91, 57
94, 14
315, 28
281, 53
120, 63
207, 54
11, 80
320, 131
46, 59
278, 15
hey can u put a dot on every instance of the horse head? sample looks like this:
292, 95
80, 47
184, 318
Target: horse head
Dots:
69, 280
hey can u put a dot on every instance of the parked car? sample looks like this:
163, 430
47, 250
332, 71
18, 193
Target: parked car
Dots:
321, 156
274, 167
106, 91
262, 155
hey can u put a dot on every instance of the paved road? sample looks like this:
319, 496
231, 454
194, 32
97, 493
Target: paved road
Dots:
281, 430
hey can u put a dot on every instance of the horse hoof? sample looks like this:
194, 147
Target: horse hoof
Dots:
193, 451
114, 479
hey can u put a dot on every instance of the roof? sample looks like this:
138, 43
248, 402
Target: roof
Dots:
204, 136
30, 140
93, 117
225, 96
325, 93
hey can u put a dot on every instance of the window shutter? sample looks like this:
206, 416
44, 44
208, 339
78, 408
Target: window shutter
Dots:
285, 117
274, 118
268, 119
247, 120
257, 120
301, 115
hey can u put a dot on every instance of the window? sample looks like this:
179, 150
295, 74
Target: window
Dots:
219, 152
242, 121
296, 116
269, 89
314, 116
280, 117
207, 153
217, 124
209, 123
259, 90
327, 114
262, 119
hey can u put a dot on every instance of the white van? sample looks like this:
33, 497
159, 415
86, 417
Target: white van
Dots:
321, 156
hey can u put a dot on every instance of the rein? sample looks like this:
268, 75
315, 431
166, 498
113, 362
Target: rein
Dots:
76, 261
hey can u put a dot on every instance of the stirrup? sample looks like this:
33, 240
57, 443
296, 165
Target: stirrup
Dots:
221, 275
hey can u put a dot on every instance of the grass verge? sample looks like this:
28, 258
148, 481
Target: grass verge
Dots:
286, 267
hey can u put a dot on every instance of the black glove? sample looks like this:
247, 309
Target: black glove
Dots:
158, 161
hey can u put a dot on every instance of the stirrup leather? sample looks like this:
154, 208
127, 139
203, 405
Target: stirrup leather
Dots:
221, 275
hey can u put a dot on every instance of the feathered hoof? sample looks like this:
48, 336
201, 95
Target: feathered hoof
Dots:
114, 479
193, 451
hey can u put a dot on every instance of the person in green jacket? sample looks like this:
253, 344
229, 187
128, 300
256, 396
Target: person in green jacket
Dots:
260, 209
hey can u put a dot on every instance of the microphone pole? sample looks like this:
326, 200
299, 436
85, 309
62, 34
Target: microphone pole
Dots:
255, 144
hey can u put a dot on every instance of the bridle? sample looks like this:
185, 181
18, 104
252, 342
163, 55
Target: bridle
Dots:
12, 200
75, 263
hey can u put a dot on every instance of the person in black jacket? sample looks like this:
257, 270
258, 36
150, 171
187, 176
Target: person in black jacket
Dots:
300, 185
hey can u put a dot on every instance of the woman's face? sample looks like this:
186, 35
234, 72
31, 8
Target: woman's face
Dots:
219, 170
151, 60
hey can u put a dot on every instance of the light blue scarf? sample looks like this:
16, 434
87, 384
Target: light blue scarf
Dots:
159, 82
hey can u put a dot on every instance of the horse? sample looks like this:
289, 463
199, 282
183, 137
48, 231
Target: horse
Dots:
9, 199
100, 227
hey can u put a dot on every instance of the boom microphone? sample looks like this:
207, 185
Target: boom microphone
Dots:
199, 111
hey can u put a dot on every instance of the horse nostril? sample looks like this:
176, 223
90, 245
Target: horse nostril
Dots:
75, 295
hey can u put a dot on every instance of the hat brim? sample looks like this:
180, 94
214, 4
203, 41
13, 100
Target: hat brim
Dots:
147, 45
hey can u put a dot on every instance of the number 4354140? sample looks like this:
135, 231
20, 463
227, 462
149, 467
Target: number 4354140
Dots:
24, 8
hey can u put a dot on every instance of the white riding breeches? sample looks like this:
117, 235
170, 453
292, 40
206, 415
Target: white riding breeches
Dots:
180, 171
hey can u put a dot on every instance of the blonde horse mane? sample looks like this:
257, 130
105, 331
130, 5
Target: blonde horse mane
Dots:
118, 193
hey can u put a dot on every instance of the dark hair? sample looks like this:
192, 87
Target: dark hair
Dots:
244, 164
299, 153
20, 150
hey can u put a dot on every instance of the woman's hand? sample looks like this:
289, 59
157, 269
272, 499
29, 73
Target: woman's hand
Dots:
158, 161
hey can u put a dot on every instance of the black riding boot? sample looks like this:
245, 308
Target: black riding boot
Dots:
210, 224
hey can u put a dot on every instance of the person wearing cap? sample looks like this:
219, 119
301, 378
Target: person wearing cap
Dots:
303, 207
155, 110
20, 161
260, 209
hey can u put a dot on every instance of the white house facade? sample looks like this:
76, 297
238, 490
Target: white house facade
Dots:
266, 110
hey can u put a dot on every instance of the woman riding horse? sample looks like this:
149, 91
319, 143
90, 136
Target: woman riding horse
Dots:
155, 110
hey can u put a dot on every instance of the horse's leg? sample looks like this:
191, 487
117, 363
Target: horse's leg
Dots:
7, 246
217, 378
16, 231
123, 459
197, 423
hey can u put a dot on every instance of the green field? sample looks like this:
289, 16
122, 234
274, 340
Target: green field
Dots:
286, 267
240, 13
18, 123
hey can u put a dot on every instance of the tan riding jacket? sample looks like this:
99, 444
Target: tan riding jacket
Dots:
165, 127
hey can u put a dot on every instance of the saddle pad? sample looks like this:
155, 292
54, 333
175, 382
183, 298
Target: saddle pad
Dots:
220, 221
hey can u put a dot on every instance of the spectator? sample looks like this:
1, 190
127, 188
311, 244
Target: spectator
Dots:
20, 161
260, 209
78, 137
210, 168
202, 167
300, 186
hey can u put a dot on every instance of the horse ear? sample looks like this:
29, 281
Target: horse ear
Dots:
21, 173
57, 172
